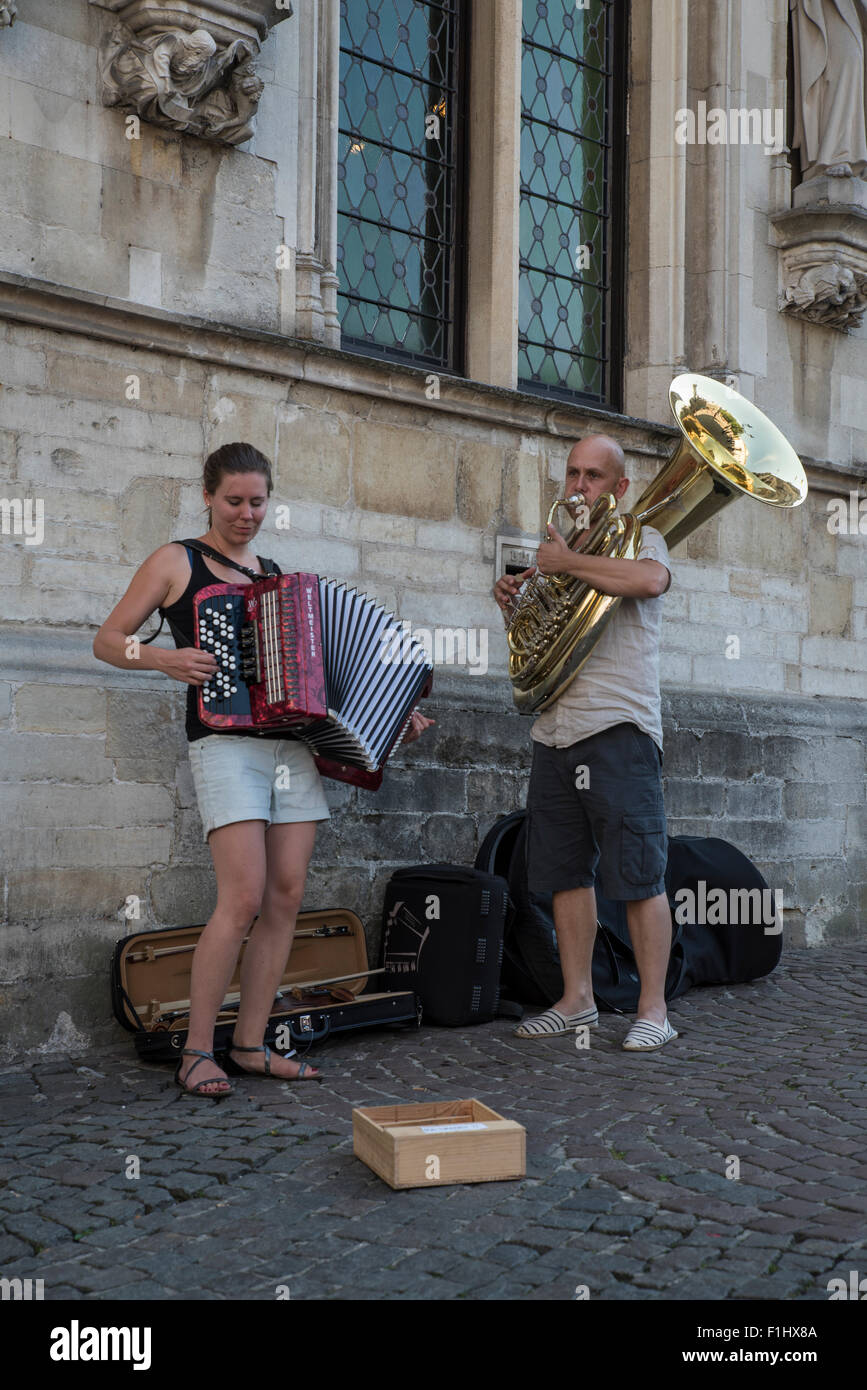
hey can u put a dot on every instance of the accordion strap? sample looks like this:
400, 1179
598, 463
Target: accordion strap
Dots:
204, 549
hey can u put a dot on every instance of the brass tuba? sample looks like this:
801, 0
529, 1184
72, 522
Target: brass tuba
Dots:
728, 447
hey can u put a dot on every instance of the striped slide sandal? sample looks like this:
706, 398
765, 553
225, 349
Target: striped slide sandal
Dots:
645, 1036
552, 1024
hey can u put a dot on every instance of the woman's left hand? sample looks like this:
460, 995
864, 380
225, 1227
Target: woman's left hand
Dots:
417, 726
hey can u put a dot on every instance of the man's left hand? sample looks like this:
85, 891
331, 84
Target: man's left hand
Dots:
554, 554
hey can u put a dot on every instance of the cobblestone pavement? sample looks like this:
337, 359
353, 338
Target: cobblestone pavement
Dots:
626, 1189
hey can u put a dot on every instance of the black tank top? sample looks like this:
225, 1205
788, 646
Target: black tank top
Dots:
179, 616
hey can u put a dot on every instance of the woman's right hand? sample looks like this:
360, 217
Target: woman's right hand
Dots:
188, 664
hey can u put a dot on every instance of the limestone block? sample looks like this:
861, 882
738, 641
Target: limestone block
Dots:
755, 536
428, 608
21, 243
5, 702
427, 789
49, 421
82, 576
245, 240
11, 562
21, 366
522, 490
183, 895
354, 524
834, 654
31, 602
60, 709
754, 801
448, 839
336, 559
313, 458
136, 846
39, 894
830, 605
687, 798
156, 216
186, 842
407, 566
494, 792
87, 262
143, 726
237, 417
476, 576
676, 668
27, 849
243, 178
8, 453
411, 472
228, 296
844, 684
480, 482
46, 58
375, 836
772, 839
110, 807
147, 518
448, 536
94, 378
703, 544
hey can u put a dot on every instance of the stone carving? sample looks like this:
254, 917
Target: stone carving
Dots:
828, 293
182, 76
829, 38
823, 249
8, 11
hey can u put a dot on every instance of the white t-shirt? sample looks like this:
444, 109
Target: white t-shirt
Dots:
619, 681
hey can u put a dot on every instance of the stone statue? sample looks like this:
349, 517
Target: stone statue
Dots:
8, 11
829, 41
184, 81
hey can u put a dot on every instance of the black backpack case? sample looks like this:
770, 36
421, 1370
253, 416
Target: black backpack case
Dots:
442, 930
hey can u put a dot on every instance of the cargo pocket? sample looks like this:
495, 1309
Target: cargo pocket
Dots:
642, 849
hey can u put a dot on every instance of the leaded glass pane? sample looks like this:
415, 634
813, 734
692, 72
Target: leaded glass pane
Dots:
564, 338
398, 236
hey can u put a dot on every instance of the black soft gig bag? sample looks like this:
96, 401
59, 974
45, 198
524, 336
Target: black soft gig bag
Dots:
442, 929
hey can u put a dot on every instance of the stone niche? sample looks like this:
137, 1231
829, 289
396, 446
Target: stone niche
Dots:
188, 65
822, 242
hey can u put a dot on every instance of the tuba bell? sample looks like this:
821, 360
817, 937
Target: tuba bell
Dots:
728, 448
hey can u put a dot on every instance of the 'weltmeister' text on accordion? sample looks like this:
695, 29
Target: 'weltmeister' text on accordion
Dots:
313, 657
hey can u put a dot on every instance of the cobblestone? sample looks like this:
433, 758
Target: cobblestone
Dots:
626, 1160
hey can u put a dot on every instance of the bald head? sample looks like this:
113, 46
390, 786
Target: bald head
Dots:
601, 449
596, 464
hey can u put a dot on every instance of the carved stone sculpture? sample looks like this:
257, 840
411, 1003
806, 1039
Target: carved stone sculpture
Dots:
8, 11
828, 293
181, 76
829, 38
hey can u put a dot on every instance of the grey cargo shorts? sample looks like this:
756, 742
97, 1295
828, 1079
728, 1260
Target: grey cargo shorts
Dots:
596, 809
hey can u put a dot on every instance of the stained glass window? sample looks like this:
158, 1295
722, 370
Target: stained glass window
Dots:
400, 152
570, 180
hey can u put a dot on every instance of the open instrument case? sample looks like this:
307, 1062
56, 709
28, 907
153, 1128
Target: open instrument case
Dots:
150, 988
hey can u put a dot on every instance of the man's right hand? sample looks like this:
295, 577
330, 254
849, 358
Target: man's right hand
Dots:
189, 664
506, 588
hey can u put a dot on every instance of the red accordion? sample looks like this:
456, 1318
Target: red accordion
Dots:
315, 658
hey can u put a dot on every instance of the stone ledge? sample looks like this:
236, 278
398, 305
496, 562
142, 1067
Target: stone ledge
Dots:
63, 656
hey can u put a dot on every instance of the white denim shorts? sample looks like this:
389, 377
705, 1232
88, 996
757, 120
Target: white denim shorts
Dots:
242, 778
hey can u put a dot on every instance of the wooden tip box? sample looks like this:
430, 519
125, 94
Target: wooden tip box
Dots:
438, 1142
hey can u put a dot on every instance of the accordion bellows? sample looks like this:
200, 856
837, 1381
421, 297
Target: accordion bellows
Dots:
313, 657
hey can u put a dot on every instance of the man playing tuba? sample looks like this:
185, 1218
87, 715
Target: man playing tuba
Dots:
595, 800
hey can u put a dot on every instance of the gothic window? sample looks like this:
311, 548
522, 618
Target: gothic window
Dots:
572, 98
400, 252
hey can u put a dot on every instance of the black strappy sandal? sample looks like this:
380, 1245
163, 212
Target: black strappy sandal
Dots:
305, 1068
211, 1081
